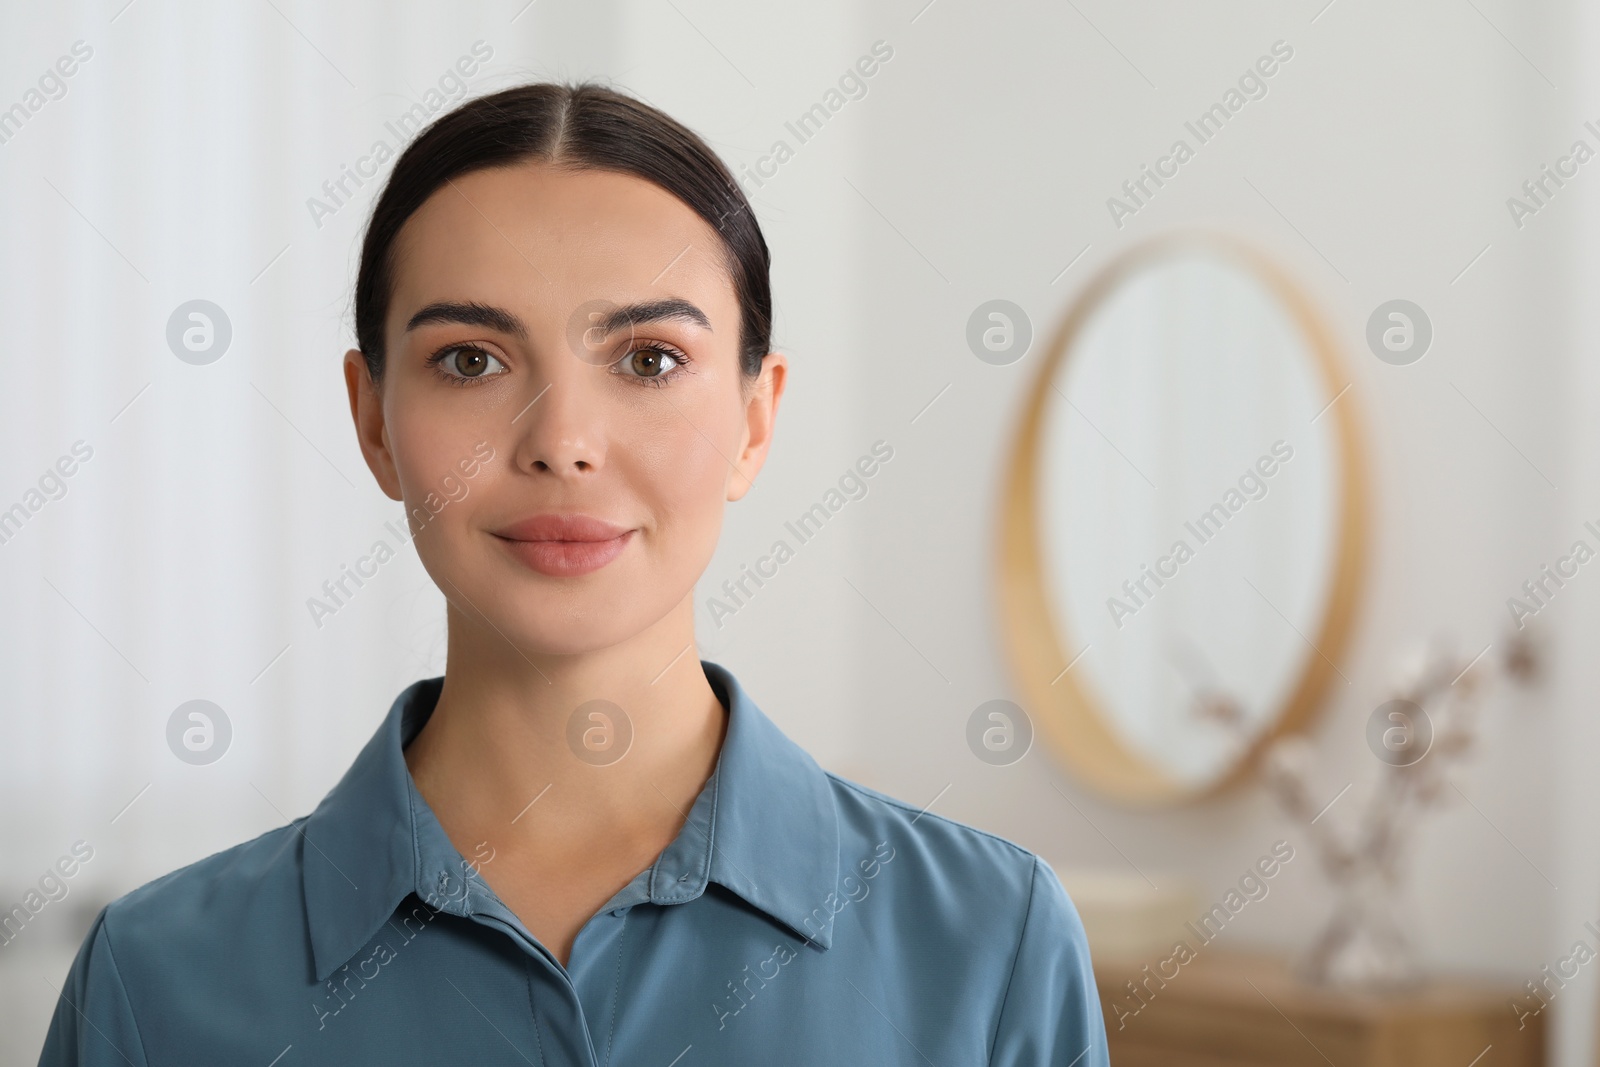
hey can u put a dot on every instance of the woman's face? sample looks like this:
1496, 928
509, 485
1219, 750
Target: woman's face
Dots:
507, 405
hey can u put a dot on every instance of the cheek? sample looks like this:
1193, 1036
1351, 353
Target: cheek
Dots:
682, 465
680, 459
427, 455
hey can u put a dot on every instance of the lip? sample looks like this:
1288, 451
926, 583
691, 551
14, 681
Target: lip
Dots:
564, 546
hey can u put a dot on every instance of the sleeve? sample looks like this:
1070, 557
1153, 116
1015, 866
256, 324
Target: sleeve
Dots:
93, 1025
1051, 1014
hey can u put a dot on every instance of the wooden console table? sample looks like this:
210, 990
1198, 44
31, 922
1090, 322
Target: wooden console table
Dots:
1242, 1010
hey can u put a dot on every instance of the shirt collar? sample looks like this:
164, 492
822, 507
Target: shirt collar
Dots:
764, 827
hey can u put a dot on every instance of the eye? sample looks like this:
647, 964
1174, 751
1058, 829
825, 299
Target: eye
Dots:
652, 362
461, 364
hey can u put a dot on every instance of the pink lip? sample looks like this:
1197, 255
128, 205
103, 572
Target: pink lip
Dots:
564, 546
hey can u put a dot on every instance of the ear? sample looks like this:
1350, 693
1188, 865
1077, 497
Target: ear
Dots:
366, 408
760, 417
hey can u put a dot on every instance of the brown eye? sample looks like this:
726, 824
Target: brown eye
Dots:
655, 364
467, 362
646, 362
470, 362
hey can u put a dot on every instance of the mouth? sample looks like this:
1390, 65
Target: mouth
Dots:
564, 546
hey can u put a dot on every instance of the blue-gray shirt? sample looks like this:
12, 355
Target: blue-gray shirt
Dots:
797, 918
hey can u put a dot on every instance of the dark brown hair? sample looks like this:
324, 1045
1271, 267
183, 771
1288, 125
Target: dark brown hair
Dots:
583, 126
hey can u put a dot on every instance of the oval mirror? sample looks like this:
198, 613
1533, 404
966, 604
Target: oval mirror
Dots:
1182, 527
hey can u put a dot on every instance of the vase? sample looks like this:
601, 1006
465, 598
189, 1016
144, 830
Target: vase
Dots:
1364, 944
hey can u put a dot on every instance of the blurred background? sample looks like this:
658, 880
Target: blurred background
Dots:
182, 193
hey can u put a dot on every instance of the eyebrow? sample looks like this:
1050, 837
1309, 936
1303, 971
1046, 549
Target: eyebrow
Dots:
472, 313
469, 314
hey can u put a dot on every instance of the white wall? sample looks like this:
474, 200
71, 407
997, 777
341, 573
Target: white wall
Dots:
179, 163
1387, 147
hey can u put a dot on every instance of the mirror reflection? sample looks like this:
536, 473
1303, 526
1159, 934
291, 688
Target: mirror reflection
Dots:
1190, 505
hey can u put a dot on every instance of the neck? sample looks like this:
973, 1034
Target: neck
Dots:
522, 748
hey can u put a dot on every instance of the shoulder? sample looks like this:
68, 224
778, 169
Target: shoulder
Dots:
960, 847
958, 871
988, 916
211, 907
149, 951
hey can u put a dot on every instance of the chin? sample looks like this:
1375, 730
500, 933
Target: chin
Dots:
572, 616
559, 616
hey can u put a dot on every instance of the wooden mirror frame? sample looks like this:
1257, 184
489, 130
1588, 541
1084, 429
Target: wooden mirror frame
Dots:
1078, 730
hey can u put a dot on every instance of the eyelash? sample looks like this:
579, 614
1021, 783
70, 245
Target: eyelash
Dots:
657, 381
437, 359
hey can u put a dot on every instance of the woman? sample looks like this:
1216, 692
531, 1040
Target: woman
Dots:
563, 312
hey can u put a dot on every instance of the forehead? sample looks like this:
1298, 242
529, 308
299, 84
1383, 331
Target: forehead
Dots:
546, 238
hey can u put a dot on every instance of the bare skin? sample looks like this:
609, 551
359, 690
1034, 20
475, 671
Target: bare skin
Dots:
569, 432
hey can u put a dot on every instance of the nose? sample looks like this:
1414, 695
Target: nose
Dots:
561, 431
